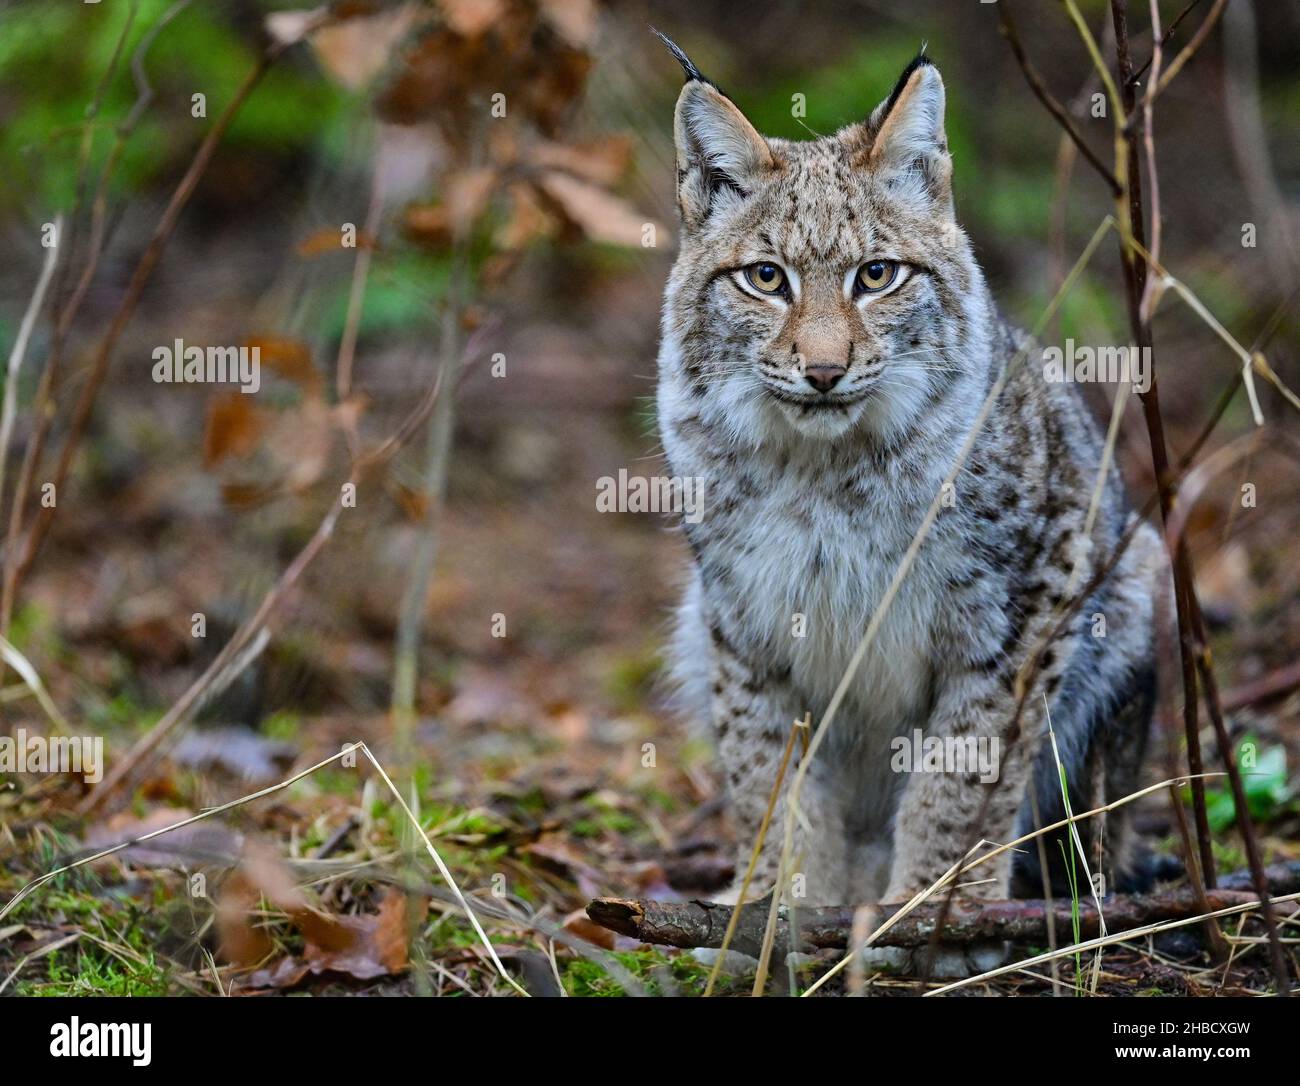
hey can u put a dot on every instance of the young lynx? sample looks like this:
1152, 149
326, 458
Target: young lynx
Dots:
828, 340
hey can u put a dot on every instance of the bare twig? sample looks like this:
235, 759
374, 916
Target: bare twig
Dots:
1272, 685
131, 298
704, 924
1195, 653
1189, 50
19, 351
1012, 35
1163, 40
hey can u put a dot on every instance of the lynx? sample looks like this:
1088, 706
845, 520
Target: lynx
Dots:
828, 340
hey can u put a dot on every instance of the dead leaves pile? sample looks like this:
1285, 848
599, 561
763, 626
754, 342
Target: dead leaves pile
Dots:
493, 83
497, 81
363, 946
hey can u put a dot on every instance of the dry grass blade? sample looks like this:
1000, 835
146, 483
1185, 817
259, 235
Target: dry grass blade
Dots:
29, 675
757, 850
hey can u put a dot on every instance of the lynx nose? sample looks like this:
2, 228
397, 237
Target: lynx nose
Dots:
824, 378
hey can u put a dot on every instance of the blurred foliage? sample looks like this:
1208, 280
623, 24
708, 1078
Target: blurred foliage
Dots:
199, 51
1264, 779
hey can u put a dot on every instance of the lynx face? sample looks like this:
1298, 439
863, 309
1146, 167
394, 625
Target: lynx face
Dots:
821, 286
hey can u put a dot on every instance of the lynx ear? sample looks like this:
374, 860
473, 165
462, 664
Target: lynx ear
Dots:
908, 142
720, 155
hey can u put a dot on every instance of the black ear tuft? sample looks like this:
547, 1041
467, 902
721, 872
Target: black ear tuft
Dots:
688, 66
919, 61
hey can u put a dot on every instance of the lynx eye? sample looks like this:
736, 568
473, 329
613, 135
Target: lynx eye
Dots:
876, 275
766, 277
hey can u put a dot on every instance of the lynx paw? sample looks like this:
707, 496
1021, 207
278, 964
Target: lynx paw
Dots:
954, 962
951, 961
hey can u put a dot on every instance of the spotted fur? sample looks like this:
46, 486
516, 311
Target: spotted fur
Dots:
813, 496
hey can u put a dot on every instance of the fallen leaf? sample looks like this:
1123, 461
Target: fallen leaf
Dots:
364, 946
291, 358
329, 239
239, 942
470, 18
526, 220
209, 841
232, 427
237, 751
465, 195
580, 924
353, 51
290, 27
575, 19
602, 162
600, 215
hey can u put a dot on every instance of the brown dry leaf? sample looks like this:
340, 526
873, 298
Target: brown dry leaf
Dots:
352, 52
428, 224
464, 198
301, 440
209, 840
328, 239
413, 503
1225, 585
600, 215
580, 924
556, 83
574, 19
238, 941
247, 495
470, 18
364, 947
527, 219
232, 427
377, 946
465, 195
434, 79
290, 358
265, 874
601, 161
290, 27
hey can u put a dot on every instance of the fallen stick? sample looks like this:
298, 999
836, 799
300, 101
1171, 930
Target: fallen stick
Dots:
690, 924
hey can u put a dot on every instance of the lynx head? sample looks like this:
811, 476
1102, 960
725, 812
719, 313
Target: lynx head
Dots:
822, 287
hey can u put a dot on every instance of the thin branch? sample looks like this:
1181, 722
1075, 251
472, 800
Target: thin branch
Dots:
1194, 651
135, 288
1163, 41
1189, 51
1123, 937
19, 351
1012, 35
690, 924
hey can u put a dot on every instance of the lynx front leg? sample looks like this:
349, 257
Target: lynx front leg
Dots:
752, 718
971, 758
